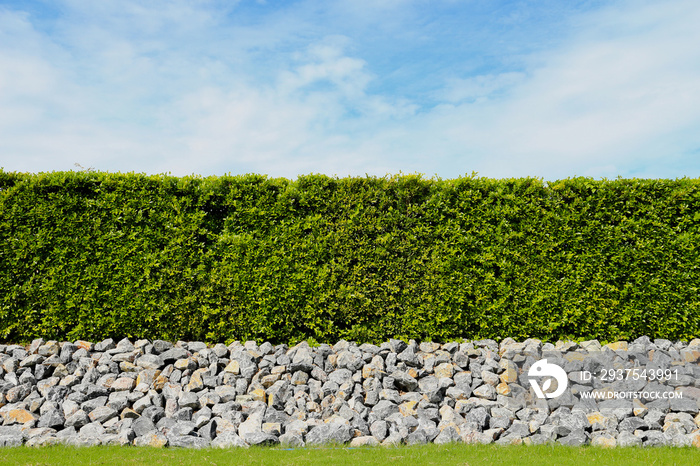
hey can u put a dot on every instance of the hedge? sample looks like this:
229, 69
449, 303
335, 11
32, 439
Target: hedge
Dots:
93, 255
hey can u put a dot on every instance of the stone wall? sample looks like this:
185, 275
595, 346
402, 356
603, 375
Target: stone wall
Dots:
190, 395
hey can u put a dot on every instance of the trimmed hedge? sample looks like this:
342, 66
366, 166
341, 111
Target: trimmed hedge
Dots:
93, 255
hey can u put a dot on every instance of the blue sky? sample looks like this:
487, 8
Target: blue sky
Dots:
550, 89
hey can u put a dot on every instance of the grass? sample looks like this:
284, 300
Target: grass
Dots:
455, 454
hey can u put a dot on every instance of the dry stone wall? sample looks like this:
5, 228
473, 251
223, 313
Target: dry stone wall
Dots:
189, 394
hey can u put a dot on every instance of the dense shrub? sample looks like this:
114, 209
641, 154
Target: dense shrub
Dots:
91, 255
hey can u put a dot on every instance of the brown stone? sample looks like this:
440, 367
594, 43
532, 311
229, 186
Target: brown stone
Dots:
258, 394
152, 439
18, 416
690, 355
186, 363
463, 406
604, 441
574, 356
368, 370
444, 370
128, 413
147, 376
274, 428
598, 421
86, 345
123, 384
107, 380
618, 346
233, 367
196, 383
695, 439
510, 371
160, 382
269, 380
639, 408
222, 425
503, 389
127, 366
60, 371
44, 385
408, 408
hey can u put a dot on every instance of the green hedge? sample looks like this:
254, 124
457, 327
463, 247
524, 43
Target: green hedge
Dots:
94, 255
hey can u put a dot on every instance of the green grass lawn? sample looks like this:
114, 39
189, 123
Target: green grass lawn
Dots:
413, 456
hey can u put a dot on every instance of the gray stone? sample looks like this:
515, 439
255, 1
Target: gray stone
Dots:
161, 346
32, 360
226, 393
143, 426
153, 413
208, 430
448, 435
379, 429
340, 376
151, 439
359, 389
409, 357
260, 438
142, 403
485, 391
290, 439
404, 381
150, 361
246, 366
618, 408
229, 440
77, 420
631, 424
686, 405
94, 403
628, 439
173, 354
654, 438
351, 360
11, 440
383, 410
102, 414
252, 425
189, 400
187, 441
329, 433
417, 437
182, 428
104, 345
93, 429
118, 401
397, 346
574, 439
302, 360
52, 419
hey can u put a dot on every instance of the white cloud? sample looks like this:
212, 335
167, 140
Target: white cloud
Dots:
179, 89
602, 103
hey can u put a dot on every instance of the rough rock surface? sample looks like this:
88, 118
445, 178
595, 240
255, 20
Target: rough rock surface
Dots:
192, 395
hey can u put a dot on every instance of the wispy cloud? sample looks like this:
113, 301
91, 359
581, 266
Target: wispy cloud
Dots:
352, 88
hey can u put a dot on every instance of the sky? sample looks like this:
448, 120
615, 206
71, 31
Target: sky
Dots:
533, 88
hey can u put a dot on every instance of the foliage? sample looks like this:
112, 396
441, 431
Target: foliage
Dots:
93, 255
